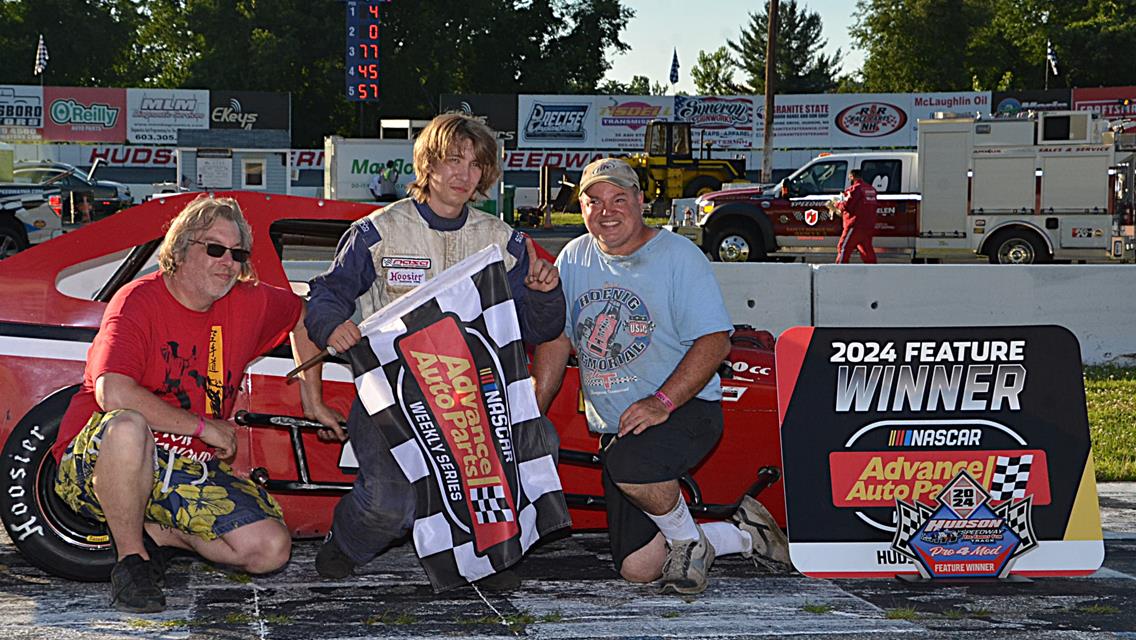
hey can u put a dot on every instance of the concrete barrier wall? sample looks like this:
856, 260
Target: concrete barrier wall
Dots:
767, 296
1096, 302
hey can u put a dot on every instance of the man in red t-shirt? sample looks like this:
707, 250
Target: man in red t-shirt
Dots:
858, 204
142, 443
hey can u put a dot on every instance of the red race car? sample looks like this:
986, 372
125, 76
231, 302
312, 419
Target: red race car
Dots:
55, 294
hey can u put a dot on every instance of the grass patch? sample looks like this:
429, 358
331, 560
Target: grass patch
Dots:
671, 614
242, 578
979, 613
902, 613
816, 608
1110, 395
1099, 609
141, 623
392, 618
239, 617
555, 616
516, 622
954, 614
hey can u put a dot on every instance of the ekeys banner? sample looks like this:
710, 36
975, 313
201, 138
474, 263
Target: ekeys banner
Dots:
442, 372
878, 419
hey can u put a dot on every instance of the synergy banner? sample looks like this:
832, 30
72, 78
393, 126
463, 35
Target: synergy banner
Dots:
949, 452
442, 371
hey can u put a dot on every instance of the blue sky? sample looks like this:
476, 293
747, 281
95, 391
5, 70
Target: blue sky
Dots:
693, 25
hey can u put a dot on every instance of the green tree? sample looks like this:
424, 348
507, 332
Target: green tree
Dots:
639, 86
801, 67
713, 73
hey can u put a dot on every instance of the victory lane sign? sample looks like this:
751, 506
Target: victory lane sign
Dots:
872, 419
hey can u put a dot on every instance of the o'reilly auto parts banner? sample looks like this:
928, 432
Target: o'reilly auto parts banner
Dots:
953, 452
21, 112
556, 121
153, 116
84, 114
249, 110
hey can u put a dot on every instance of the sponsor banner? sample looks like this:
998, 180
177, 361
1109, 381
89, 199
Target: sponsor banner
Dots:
963, 103
834, 121
1013, 102
497, 110
1109, 102
84, 114
249, 110
21, 112
153, 116
140, 156
906, 425
726, 122
534, 159
556, 121
355, 162
622, 120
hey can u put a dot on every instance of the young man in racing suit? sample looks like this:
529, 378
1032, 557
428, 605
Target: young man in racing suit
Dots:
858, 204
389, 253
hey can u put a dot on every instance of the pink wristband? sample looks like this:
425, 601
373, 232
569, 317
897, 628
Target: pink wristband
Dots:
665, 400
200, 425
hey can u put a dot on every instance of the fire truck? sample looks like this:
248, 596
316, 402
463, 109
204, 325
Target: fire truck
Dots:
1049, 186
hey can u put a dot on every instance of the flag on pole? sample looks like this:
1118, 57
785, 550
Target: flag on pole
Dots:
674, 67
442, 373
1051, 56
41, 57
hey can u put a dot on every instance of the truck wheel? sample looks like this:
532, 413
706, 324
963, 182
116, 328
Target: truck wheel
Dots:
737, 244
47, 532
1017, 246
12, 238
701, 185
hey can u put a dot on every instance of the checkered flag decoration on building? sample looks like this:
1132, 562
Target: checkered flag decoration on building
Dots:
1011, 475
41, 57
442, 373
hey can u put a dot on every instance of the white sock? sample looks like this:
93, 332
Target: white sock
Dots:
726, 538
676, 524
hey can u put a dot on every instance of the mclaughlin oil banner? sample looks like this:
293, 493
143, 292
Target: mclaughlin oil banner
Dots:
443, 374
962, 448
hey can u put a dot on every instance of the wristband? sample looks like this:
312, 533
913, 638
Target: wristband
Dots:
200, 425
670, 406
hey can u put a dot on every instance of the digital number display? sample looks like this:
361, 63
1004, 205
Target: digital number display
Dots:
362, 55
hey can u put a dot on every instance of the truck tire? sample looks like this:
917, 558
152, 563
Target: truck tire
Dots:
737, 244
12, 237
47, 532
701, 185
1017, 246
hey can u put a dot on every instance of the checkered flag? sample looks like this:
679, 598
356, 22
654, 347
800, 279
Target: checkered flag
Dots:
1011, 474
909, 518
41, 57
443, 375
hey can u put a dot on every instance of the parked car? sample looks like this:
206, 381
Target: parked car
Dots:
55, 295
84, 198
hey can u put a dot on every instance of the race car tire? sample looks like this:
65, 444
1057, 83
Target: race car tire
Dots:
1017, 246
737, 244
701, 185
48, 533
12, 237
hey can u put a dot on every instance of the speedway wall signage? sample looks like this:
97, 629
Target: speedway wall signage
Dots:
84, 114
556, 121
155, 115
951, 452
21, 112
497, 110
249, 110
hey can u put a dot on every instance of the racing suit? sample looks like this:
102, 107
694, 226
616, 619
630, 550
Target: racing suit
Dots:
381, 257
858, 205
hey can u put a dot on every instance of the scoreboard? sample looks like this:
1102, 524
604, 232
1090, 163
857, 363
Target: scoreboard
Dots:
362, 54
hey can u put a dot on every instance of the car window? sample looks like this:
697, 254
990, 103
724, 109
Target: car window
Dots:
820, 178
306, 249
883, 175
26, 177
86, 279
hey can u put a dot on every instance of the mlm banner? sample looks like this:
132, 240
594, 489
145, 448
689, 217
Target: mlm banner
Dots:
886, 430
442, 373
153, 116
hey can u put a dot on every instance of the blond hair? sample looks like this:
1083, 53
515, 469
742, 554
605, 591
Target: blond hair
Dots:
444, 134
196, 218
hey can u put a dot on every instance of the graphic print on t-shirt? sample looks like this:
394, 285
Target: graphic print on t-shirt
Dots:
613, 328
186, 371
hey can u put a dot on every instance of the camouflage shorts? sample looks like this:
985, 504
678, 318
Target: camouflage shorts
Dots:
203, 499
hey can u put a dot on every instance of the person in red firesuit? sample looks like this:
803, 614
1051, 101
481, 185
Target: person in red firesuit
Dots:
858, 205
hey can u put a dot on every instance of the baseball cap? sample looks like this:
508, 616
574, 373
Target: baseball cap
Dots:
612, 170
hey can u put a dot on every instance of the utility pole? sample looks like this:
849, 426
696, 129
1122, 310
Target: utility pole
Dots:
770, 81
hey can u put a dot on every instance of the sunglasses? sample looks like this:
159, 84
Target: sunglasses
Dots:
218, 250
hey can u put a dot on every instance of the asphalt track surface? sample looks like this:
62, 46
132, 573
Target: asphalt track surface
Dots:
571, 591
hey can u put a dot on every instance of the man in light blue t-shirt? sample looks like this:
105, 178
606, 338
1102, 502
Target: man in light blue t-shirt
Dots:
649, 327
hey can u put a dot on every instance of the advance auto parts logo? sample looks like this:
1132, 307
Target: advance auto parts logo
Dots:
234, 115
871, 119
557, 122
94, 116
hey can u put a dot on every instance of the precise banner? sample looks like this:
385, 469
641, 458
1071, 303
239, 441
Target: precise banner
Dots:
556, 121
972, 442
442, 373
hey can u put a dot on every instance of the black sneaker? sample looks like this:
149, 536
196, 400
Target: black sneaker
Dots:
159, 559
503, 580
132, 587
331, 562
